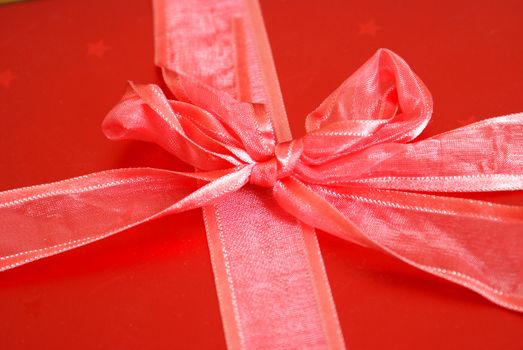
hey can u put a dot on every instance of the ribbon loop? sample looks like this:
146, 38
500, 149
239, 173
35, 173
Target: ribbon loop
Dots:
384, 101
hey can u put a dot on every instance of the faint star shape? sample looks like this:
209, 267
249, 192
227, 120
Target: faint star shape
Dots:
33, 308
6, 77
466, 121
369, 28
98, 48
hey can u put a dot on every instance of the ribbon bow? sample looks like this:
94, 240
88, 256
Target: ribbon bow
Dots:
355, 174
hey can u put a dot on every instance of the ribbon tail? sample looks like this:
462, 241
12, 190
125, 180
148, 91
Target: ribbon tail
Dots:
476, 244
44, 220
480, 157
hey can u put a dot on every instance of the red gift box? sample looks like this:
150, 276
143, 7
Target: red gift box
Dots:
64, 65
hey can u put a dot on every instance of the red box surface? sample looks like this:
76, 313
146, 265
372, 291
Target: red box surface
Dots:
64, 64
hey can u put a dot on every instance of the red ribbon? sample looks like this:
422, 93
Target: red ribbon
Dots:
357, 174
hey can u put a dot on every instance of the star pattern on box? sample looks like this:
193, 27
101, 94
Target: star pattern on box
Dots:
6, 78
33, 308
97, 48
368, 28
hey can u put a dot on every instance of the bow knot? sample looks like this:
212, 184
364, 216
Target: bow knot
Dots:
286, 157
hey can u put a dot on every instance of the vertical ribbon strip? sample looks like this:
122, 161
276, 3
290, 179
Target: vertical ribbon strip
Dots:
269, 274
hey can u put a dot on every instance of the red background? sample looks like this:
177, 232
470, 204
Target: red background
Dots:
63, 65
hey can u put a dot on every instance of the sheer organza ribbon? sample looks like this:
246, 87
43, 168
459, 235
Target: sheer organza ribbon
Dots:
358, 174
